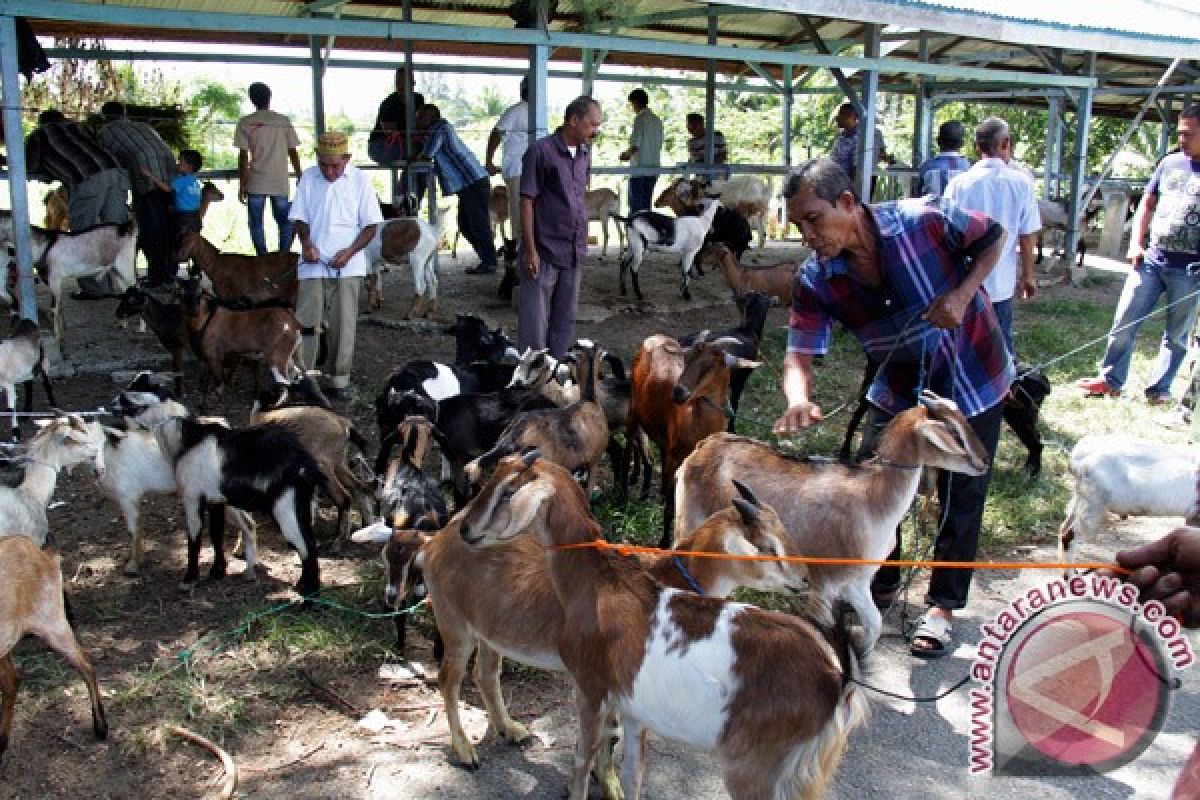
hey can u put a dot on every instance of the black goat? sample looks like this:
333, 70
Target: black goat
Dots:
730, 229
165, 320
754, 307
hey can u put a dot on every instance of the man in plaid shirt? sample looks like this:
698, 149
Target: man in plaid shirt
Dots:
905, 279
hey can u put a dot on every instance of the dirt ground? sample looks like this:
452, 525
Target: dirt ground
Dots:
299, 738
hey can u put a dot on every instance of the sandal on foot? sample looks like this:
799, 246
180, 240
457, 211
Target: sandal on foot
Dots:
936, 635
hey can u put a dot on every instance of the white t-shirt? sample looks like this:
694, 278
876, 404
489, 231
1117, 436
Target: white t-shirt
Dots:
514, 124
1006, 195
335, 214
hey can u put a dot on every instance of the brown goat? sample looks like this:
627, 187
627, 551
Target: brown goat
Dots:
830, 509
695, 669
777, 280
678, 396
525, 622
217, 333
239, 279
497, 216
31, 602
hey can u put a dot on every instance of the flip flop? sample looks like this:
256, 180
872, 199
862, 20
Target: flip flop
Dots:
937, 632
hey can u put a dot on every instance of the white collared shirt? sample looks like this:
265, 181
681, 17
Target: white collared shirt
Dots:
335, 214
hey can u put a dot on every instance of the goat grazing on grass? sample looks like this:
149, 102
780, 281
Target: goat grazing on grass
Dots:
217, 333
60, 444
32, 603
1123, 475
526, 623
777, 280
600, 205
647, 230
58, 256
21, 359
574, 437
244, 281
679, 396
696, 669
829, 509
167, 322
414, 239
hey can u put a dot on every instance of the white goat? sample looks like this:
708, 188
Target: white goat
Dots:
745, 194
649, 230
602, 204
62, 442
414, 238
21, 358
1123, 475
59, 256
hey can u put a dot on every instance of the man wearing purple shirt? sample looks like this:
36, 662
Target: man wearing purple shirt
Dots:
554, 229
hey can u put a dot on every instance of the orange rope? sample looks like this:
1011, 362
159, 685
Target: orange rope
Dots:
629, 549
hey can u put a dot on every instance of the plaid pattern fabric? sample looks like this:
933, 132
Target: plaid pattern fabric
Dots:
925, 249
67, 153
936, 172
456, 165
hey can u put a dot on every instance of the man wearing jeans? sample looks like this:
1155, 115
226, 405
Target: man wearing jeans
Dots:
1170, 211
645, 150
266, 141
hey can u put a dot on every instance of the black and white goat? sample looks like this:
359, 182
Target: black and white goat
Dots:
22, 358
649, 230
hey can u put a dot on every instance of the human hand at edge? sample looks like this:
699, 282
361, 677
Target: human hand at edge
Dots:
1168, 570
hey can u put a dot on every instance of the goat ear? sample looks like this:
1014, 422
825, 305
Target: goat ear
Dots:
376, 533
746, 493
530, 455
734, 362
749, 512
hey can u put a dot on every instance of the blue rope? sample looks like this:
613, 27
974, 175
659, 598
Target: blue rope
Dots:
687, 577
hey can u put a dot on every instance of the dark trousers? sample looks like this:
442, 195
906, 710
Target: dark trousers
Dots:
546, 308
641, 192
960, 499
474, 223
155, 233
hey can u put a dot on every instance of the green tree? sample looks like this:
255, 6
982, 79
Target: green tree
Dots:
213, 109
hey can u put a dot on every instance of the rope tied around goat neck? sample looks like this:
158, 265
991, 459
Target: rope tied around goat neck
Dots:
631, 549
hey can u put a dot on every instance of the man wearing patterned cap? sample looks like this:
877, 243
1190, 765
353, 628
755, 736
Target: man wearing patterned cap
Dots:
335, 212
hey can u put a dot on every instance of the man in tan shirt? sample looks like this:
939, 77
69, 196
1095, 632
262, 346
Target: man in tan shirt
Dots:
266, 141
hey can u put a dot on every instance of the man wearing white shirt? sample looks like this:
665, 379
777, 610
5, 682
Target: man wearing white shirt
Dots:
335, 212
512, 129
1006, 195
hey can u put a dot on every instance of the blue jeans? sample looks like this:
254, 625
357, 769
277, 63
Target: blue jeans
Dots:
1138, 298
255, 205
641, 192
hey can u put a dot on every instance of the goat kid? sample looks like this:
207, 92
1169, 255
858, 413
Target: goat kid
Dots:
61, 443
413, 239
830, 509
647, 230
1122, 475
695, 669
777, 280
600, 205
241, 281
167, 322
32, 603
21, 359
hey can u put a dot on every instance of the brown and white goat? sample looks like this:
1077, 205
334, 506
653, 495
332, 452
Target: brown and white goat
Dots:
244, 280
574, 437
31, 602
217, 333
526, 623
831, 510
679, 396
409, 238
602, 204
695, 669
777, 280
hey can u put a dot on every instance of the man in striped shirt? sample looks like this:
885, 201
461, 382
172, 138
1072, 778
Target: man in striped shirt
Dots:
140, 149
935, 173
460, 174
904, 279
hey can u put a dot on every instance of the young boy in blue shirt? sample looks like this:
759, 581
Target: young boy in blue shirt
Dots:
185, 189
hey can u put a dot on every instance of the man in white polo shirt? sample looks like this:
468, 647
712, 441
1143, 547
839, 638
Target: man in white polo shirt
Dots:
335, 213
1006, 195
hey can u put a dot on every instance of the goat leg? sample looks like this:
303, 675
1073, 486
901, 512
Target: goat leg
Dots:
9, 683
191, 513
216, 535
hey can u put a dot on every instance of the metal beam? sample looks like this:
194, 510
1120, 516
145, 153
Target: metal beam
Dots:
922, 111
1083, 119
710, 96
318, 84
17, 176
786, 128
676, 15
838, 75
387, 29
760, 72
316, 6
866, 120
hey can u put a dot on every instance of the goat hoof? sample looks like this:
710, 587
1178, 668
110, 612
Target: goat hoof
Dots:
465, 752
100, 729
187, 585
131, 569
250, 575
516, 733
687, 294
